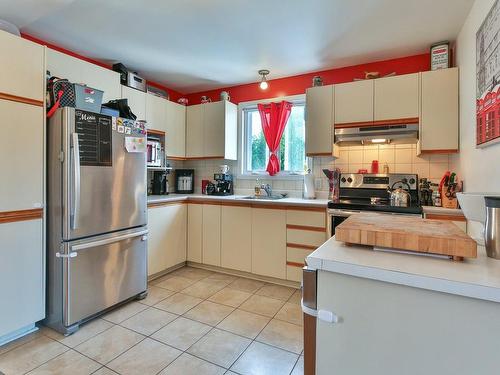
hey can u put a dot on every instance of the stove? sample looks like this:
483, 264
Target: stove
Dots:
368, 193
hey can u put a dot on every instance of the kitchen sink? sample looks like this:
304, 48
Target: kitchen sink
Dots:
264, 197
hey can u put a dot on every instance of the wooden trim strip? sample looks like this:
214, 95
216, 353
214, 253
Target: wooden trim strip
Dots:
250, 203
156, 132
306, 227
445, 217
318, 154
203, 157
181, 158
409, 120
20, 99
167, 203
294, 264
21, 215
300, 246
397, 121
446, 151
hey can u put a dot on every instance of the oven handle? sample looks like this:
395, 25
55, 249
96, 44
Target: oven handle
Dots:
342, 213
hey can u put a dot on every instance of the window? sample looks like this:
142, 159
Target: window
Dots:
291, 153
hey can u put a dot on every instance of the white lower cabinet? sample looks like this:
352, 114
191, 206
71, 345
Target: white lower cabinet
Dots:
167, 236
22, 276
269, 242
236, 238
211, 234
430, 324
195, 224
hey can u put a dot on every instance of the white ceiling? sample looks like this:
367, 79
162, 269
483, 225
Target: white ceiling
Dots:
195, 45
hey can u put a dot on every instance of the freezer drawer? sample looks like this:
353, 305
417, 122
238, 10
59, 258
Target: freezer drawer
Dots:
101, 272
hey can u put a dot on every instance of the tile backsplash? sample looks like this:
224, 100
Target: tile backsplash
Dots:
399, 158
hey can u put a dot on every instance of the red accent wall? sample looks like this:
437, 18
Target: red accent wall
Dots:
298, 84
283, 86
174, 95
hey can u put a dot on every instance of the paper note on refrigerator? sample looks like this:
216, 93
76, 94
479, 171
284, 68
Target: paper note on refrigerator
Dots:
135, 144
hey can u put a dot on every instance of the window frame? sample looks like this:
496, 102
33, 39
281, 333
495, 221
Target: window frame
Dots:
245, 140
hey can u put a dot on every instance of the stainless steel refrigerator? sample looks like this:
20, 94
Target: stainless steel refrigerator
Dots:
96, 215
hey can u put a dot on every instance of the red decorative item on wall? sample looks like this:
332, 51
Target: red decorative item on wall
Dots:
274, 117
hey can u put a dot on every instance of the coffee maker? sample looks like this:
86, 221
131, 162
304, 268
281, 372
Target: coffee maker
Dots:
223, 184
159, 183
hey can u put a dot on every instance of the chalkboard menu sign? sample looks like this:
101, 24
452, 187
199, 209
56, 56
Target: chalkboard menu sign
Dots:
95, 138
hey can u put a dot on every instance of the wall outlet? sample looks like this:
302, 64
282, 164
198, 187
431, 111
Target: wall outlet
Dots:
317, 183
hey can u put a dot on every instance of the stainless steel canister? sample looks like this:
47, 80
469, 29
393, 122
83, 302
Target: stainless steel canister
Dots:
492, 227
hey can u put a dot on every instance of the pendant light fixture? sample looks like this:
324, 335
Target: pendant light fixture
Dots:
263, 82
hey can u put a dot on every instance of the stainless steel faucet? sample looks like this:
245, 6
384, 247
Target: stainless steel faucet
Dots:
268, 189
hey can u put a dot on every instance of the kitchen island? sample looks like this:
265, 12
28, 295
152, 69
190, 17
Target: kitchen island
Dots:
405, 314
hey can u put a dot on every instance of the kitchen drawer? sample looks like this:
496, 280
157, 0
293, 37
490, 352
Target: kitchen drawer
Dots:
305, 237
297, 255
294, 273
307, 218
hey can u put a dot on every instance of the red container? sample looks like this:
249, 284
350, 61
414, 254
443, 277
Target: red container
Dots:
375, 166
204, 184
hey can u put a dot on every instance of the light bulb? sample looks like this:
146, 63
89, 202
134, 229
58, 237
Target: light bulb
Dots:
379, 140
264, 85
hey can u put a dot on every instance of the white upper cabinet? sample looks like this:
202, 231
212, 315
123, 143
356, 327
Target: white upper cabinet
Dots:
156, 112
396, 97
23, 67
439, 111
21, 156
136, 101
194, 131
319, 120
79, 71
353, 102
175, 137
211, 130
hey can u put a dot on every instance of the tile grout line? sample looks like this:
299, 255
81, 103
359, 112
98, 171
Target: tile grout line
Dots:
177, 317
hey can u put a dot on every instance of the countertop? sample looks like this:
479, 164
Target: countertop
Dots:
475, 278
238, 198
442, 211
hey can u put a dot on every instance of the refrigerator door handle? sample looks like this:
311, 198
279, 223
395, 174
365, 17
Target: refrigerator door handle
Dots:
75, 207
107, 241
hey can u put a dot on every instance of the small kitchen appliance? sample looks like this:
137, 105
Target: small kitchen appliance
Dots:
492, 227
155, 155
184, 181
223, 184
159, 183
368, 193
130, 79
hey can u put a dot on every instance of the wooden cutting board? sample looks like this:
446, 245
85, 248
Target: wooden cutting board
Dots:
407, 233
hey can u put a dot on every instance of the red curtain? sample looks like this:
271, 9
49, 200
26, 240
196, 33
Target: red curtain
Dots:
274, 117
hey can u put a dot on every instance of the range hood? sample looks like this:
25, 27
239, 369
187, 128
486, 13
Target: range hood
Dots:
376, 134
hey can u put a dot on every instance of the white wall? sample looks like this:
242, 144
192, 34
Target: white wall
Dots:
478, 167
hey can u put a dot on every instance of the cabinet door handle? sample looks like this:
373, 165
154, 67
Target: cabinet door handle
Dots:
324, 315
70, 255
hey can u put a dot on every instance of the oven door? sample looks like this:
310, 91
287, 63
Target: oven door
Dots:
336, 216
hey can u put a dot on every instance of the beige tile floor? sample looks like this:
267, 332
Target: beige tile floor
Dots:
193, 322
